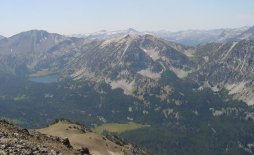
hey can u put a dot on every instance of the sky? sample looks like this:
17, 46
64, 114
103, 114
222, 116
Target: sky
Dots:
85, 16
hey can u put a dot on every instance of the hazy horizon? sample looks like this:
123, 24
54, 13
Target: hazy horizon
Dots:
127, 29
82, 16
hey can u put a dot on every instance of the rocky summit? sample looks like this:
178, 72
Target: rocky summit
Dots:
14, 140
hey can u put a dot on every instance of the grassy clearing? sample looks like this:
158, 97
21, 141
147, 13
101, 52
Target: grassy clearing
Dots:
96, 143
20, 98
119, 128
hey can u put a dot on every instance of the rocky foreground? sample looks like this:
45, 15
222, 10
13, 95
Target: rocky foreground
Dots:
17, 141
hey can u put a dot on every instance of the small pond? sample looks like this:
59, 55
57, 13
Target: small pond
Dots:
45, 79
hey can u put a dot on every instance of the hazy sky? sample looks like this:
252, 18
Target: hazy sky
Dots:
82, 16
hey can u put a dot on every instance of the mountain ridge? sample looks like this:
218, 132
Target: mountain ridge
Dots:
229, 65
123, 62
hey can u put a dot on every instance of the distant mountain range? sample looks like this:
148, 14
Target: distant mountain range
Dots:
195, 37
104, 34
188, 37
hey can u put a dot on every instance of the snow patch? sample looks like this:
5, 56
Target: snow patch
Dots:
130, 109
218, 113
235, 88
152, 53
180, 73
215, 89
148, 73
123, 84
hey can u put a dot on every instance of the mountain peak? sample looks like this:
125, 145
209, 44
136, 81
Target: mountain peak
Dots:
130, 30
30, 42
34, 32
131, 36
